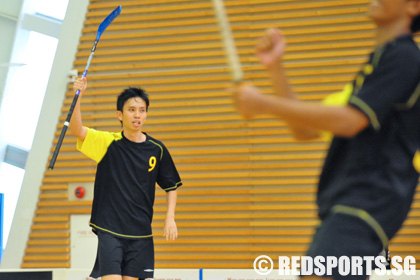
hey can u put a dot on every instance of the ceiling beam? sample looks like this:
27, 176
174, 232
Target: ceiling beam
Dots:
10, 17
42, 24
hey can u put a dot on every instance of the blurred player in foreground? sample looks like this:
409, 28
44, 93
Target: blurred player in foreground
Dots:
368, 180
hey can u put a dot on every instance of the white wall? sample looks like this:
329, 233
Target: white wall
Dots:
38, 156
9, 14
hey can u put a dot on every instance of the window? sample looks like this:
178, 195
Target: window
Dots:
25, 90
52, 8
23, 97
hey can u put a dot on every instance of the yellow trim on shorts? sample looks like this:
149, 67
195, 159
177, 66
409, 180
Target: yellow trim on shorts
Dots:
365, 216
119, 234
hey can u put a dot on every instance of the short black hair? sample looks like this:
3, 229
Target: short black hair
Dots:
415, 24
130, 93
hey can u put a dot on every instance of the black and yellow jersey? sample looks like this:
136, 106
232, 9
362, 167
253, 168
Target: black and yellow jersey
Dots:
125, 181
371, 175
342, 99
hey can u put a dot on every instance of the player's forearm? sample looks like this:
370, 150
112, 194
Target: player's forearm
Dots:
341, 121
280, 81
282, 88
171, 198
76, 126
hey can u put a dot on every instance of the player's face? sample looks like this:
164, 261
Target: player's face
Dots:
134, 114
384, 12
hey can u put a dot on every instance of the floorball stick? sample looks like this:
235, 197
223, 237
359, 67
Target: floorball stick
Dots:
228, 42
107, 21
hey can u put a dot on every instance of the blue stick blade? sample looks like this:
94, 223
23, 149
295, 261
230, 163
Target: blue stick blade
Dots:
107, 21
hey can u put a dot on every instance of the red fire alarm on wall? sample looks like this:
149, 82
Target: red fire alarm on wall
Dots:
79, 192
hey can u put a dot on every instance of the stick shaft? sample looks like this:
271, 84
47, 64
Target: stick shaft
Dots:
63, 131
228, 41
73, 104
105, 23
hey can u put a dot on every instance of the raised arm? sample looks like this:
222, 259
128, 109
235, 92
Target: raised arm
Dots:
270, 50
305, 120
76, 127
344, 121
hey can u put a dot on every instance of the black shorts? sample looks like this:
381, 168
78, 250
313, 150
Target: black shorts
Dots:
126, 257
344, 235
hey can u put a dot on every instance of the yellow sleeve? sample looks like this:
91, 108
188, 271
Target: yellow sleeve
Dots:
416, 161
336, 99
96, 143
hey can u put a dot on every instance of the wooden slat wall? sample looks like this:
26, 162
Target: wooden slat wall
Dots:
249, 188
